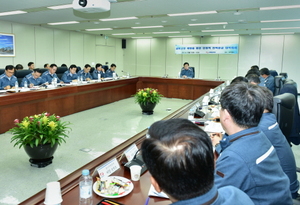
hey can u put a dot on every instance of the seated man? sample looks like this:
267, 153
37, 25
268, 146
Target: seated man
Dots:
253, 79
85, 73
110, 71
239, 79
248, 160
33, 79
47, 66
50, 74
186, 72
7, 79
70, 75
267, 79
268, 124
99, 70
180, 160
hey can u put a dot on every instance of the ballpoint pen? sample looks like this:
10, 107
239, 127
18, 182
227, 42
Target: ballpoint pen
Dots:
147, 201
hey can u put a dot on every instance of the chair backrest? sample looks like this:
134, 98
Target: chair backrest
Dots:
20, 74
105, 67
295, 134
2, 70
193, 69
278, 84
285, 75
284, 111
92, 69
60, 71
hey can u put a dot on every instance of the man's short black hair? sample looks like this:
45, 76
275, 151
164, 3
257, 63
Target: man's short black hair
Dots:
239, 79
45, 65
268, 98
252, 71
98, 65
19, 67
87, 65
53, 65
253, 78
72, 66
63, 65
180, 160
186, 63
264, 71
255, 67
37, 70
244, 102
9, 67
113, 65
30, 63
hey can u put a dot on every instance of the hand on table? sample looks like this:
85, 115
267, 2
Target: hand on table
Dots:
216, 138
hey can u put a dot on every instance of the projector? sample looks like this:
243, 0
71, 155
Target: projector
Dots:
91, 6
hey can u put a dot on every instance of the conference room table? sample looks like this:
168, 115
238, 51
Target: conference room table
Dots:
74, 98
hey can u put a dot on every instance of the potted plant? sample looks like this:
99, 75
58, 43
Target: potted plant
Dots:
147, 99
40, 135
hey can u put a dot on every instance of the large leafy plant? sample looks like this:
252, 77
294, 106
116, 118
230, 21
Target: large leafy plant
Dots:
39, 129
145, 95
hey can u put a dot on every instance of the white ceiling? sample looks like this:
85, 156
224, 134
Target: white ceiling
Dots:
154, 12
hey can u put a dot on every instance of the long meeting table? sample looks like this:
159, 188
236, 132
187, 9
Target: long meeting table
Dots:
75, 98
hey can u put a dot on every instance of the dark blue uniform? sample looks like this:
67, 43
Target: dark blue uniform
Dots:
84, 75
5, 81
47, 76
187, 72
95, 74
68, 77
31, 80
109, 73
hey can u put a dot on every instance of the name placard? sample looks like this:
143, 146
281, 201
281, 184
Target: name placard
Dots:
130, 152
108, 168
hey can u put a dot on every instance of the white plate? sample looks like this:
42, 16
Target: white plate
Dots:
127, 191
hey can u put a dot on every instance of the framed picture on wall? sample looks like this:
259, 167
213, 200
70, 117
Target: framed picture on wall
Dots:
7, 45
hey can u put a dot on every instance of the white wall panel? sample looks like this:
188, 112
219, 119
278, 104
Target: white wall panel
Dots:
173, 61
249, 53
143, 57
62, 47
89, 49
271, 52
44, 45
130, 56
76, 49
158, 57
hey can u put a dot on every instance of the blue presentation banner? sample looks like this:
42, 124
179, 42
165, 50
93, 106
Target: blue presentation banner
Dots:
207, 49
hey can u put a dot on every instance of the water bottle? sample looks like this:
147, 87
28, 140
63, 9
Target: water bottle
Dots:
85, 188
25, 84
17, 86
191, 114
99, 77
54, 82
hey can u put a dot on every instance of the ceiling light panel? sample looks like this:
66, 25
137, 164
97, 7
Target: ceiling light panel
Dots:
63, 23
66, 6
119, 19
12, 13
280, 7
205, 24
217, 30
139, 27
99, 29
193, 13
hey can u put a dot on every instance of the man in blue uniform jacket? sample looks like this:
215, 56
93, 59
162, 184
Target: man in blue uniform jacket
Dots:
70, 75
186, 71
179, 157
268, 124
85, 73
50, 74
33, 79
110, 71
7, 79
266, 79
98, 70
248, 160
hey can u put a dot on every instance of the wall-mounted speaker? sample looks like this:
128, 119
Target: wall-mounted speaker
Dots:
123, 43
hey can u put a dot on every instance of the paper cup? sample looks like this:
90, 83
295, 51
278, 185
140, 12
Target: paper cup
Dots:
135, 172
53, 194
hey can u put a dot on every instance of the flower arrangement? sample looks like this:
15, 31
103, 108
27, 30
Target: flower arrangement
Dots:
39, 130
145, 95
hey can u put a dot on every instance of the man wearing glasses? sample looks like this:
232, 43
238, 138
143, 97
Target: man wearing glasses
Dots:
7, 79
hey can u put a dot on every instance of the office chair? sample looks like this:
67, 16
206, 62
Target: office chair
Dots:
2, 70
278, 84
273, 72
20, 74
283, 109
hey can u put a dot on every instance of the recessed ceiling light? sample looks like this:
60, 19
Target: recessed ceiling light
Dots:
225, 35
12, 13
205, 24
62, 23
142, 37
99, 29
286, 20
193, 13
122, 34
119, 19
278, 33
97, 22
194, 19
280, 7
166, 32
147, 27
186, 36
66, 6
137, 23
280, 28
217, 30
237, 13
164, 21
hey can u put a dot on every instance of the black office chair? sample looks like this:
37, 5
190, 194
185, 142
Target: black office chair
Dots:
60, 71
285, 75
278, 84
92, 69
105, 67
294, 136
273, 73
2, 70
20, 74
283, 109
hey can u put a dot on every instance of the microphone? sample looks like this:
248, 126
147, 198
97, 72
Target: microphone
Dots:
128, 75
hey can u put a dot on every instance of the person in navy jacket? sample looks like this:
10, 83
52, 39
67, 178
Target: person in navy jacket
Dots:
110, 71
70, 75
50, 74
179, 157
85, 73
266, 79
33, 79
7, 79
186, 71
98, 70
247, 158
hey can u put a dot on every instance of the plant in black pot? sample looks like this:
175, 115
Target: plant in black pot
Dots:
147, 99
40, 135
